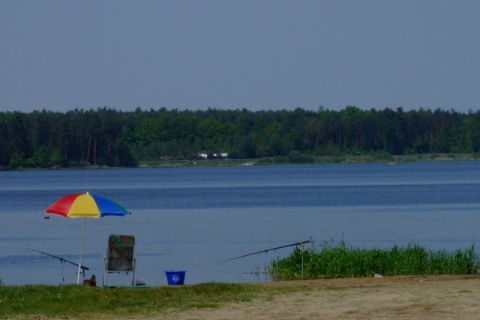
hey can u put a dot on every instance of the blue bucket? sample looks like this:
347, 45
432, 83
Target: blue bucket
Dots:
175, 278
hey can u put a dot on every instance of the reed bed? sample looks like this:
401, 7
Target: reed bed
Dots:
341, 261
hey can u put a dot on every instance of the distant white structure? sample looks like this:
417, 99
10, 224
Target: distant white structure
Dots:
204, 155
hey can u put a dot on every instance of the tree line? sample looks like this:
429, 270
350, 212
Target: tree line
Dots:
109, 137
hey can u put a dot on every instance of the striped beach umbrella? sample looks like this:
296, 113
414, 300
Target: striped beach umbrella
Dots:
85, 205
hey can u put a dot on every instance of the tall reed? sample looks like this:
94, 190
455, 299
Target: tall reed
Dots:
342, 261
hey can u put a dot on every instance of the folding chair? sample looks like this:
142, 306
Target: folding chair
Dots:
120, 256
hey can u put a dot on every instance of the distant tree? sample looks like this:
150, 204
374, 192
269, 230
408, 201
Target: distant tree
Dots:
108, 137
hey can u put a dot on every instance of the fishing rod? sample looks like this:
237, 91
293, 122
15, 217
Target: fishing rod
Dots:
266, 250
61, 259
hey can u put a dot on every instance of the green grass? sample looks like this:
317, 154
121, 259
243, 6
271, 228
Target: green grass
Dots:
94, 302
332, 261
296, 157
341, 261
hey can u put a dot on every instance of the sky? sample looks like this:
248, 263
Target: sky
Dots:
59, 55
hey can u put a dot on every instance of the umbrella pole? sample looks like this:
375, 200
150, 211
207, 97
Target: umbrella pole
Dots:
81, 251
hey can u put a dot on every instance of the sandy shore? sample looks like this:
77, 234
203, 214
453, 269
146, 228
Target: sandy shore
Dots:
400, 297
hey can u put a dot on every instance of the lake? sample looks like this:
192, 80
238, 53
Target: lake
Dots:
194, 219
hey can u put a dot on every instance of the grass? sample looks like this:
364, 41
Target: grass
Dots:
295, 158
93, 302
332, 261
341, 261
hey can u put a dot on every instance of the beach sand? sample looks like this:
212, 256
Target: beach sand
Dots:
398, 297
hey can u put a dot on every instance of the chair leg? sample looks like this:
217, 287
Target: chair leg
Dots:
104, 272
133, 281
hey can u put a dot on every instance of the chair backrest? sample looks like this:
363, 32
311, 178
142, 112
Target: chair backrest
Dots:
120, 253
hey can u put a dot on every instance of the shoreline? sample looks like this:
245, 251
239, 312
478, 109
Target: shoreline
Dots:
388, 297
318, 160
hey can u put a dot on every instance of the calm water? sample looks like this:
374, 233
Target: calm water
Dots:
194, 218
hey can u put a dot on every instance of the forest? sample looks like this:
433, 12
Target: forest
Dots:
107, 137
